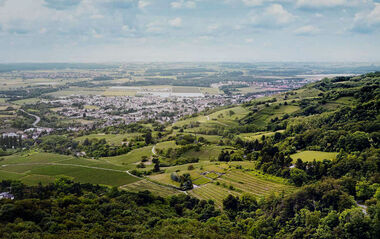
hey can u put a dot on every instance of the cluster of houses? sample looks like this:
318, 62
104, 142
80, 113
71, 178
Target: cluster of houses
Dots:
128, 109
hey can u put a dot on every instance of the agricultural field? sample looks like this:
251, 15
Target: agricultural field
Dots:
26, 101
113, 139
91, 107
77, 91
213, 192
210, 91
264, 116
258, 135
34, 167
206, 153
225, 117
309, 156
113, 92
156, 189
180, 89
130, 159
237, 182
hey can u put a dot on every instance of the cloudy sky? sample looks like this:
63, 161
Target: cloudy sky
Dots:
189, 30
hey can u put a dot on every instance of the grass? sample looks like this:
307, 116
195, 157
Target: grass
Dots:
264, 116
87, 175
115, 139
144, 184
130, 158
184, 89
224, 118
210, 91
4, 175
77, 91
164, 178
34, 167
309, 156
36, 179
119, 93
257, 135
26, 101
91, 107
34, 157
236, 182
201, 181
213, 192
208, 152
167, 144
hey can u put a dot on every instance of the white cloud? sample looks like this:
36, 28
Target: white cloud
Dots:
176, 22
213, 27
279, 13
95, 34
275, 15
249, 40
143, 3
307, 30
314, 4
252, 2
318, 15
367, 21
183, 4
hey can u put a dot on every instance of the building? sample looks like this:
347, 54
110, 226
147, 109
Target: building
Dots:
6, 195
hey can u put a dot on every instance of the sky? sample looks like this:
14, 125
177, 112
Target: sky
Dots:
189, 30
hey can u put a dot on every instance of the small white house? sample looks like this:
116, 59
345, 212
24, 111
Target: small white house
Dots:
6, 195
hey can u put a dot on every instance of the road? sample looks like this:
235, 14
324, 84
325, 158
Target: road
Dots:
38, 119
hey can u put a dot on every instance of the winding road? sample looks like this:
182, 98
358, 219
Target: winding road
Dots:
38, 119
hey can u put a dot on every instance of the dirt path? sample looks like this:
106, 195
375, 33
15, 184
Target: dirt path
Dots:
154, 150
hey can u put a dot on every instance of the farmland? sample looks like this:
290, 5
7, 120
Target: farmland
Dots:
36, 167
113, 139
308, 156
237, 182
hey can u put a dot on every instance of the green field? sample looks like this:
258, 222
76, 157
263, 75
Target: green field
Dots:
77, 91
213, 192
115, 139
154, 188
34, 167
236, 182
264, 115
26, 101
130, 159
208, 152
257, 135
87, 175
184, 89
309, 156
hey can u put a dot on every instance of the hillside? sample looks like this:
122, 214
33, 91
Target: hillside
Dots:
293, 165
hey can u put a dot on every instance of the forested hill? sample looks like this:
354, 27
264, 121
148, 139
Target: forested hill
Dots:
332, 198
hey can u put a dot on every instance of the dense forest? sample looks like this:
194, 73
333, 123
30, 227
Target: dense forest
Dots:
338, 198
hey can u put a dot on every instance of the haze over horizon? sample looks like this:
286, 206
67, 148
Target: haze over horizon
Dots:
189, 30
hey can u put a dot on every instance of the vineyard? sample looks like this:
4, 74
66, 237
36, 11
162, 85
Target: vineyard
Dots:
152, 187
236, 182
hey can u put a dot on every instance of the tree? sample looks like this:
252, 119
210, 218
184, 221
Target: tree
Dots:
298, 176
148, 137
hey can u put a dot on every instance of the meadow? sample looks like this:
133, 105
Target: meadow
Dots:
34, 167
309, 156
113, 139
